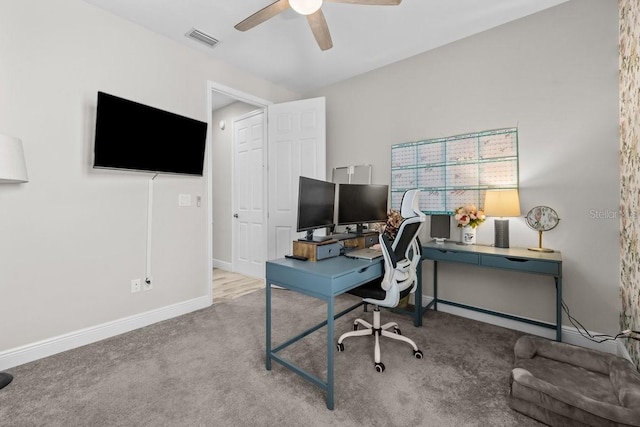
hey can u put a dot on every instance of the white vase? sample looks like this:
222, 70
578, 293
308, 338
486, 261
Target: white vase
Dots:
468, 235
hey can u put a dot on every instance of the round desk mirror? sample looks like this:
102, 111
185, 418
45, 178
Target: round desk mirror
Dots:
541, 219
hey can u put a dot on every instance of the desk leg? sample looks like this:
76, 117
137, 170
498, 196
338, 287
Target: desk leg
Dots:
558, 308
435, 285
330, 347
268, 336
417, 296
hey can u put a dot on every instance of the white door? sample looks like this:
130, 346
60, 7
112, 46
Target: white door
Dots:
297, 146
250, 213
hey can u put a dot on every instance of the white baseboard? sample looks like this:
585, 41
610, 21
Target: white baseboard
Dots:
38, 350
569, 335
223, 265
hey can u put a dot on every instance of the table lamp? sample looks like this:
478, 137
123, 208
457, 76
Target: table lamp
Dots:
13, 169
501, 203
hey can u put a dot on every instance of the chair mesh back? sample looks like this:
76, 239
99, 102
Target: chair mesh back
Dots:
405, 235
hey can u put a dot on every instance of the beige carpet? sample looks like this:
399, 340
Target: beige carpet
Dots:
207, 369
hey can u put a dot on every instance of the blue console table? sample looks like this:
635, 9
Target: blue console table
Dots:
514, 259
324, 280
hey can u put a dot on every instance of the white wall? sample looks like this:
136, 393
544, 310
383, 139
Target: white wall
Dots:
554, 76
72, 238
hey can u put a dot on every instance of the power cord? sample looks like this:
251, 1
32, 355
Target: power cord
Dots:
598, 338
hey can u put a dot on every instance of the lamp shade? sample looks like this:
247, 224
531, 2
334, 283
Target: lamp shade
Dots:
305, 7
13, 168
503, 203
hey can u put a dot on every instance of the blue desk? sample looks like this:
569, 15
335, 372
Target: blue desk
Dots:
324, 280
514, 259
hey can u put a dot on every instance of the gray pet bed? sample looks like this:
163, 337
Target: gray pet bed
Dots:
564, 385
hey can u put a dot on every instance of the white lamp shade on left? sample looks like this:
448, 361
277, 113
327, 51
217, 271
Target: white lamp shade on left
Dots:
13, 168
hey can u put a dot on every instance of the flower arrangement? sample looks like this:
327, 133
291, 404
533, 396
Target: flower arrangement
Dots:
390, 228
469, 215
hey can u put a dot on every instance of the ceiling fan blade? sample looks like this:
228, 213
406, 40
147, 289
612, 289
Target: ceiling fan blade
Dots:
262, 15
369, 2
320, 29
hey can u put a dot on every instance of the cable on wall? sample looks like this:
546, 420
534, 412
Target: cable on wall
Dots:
598, 338
148, 275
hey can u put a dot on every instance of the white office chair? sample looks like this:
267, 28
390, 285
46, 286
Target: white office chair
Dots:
401, 259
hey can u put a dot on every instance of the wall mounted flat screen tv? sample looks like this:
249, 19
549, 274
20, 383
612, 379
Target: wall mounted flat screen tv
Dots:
133, 136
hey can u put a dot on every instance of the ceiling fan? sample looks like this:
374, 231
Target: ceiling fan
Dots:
310, 8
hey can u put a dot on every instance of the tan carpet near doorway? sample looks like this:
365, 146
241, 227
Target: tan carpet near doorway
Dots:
228, 285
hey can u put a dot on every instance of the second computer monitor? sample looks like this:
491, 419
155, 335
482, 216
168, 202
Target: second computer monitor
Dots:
361, 204
316, 201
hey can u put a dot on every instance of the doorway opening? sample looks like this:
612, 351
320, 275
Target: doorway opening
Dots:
223, 103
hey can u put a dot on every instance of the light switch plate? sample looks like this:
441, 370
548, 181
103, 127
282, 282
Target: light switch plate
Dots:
184, 199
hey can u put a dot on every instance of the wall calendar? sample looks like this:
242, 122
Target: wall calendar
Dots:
456, 170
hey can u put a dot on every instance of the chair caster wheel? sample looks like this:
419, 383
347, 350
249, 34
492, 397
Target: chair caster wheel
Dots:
380, 367
397, 331
340, 346
418, 354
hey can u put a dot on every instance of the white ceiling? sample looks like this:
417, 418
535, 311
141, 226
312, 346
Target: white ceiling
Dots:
282, 50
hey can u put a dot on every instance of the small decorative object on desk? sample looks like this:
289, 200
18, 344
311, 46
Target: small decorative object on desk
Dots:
390, 228
469, 217
542, 218
468, 236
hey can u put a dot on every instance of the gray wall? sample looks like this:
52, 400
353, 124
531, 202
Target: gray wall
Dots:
73, 237
554, 76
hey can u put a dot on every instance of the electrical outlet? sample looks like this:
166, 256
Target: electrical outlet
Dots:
148, 284
135, 285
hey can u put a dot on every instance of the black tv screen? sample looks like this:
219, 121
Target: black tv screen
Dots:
316, 201
130, 135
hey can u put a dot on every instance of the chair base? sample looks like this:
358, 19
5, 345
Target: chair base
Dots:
376, 330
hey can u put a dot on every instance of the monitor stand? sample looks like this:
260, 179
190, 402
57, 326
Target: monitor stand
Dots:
315, 239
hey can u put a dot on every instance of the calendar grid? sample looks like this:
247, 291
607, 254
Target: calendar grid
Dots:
455, 170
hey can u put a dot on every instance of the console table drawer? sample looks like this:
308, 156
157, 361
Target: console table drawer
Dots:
521, 264
453, 256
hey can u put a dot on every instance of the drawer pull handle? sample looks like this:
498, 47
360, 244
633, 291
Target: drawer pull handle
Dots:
517, 259
363, 269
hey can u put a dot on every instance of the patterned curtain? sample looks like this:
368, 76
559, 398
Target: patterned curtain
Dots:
629, 12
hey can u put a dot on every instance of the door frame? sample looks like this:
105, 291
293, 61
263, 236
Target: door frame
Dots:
214, 88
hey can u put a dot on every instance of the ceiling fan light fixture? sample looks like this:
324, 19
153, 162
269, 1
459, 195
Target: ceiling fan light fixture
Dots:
305, 7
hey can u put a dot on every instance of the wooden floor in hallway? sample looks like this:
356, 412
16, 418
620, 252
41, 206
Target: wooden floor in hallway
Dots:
228, 285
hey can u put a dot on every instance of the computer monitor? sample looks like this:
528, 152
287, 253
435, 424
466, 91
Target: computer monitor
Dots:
361, 204
440, 227
316, 203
